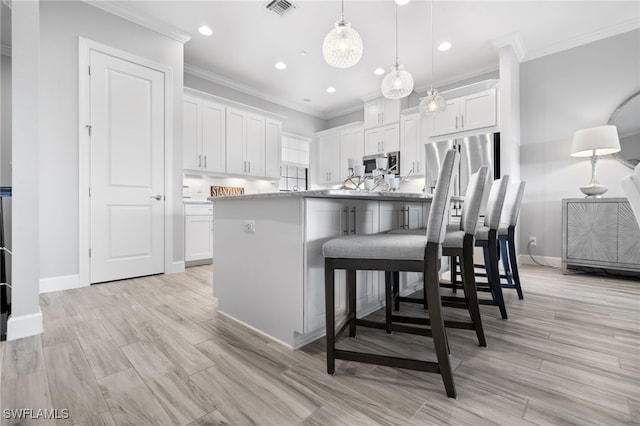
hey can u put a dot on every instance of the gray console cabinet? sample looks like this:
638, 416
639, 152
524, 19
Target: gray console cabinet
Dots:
600, 233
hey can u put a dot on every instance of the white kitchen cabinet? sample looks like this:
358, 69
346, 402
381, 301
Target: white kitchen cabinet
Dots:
203, 135
382, 140
411, 146
465, 113
245, 143
381, 111
273, 148
327, 164
198, 233
327, 219
351, 146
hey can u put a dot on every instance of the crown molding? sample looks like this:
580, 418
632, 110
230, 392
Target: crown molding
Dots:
622, 27
235, 85
345, 111
456, 79
515, 41
153, 24
5, 50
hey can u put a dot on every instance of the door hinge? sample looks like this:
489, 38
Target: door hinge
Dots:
89, 126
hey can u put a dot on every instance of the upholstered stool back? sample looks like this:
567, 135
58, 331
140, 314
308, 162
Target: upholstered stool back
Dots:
496, 202
438, 216
473, 201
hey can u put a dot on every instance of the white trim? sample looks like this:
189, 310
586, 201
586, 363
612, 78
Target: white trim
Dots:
24, 325
515, 41
260, 332
456, 79
622, 27
199, 93
153, 24
175, 267
84, 154
344, 126
554, 262
345, 111
64, 282
293, 135
241, 87
5, 50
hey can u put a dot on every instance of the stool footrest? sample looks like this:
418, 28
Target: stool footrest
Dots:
388, 361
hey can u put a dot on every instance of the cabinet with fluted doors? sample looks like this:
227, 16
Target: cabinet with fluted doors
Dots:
600, 233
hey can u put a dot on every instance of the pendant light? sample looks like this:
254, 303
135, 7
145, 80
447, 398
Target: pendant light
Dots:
398, 83
432, 103
342, 47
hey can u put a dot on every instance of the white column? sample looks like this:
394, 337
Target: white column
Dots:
509, 111
26, 318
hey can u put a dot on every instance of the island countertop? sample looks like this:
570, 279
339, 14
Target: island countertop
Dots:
334, 193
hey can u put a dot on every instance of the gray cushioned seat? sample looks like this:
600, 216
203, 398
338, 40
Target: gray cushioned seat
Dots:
379, 246
453, 239
482, 233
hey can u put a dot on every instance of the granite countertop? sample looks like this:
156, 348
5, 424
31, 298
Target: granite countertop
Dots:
333, 193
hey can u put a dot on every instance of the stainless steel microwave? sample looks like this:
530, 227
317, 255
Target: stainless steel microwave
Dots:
393, 163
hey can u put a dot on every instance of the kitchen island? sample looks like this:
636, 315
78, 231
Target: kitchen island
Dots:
268, 268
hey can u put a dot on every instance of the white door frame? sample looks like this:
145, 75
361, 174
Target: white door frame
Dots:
85, 46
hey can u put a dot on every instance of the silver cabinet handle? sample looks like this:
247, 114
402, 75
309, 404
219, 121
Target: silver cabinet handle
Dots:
456, 121
199, 160
249, 169
157, 197
382, 145
462, 121
383, 116
353, 211
205, 161
244, 169
406, 224
345, 231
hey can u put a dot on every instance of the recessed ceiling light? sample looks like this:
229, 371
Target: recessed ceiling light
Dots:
281, 65
331, 89
445, 45
307, 100
379, 71
303, 52
402, 2
205, 31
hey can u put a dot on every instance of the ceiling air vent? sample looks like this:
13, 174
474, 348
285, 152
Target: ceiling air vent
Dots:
280, 7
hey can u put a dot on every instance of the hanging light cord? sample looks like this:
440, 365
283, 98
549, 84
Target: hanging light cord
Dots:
431, 21
342, 12
397, 36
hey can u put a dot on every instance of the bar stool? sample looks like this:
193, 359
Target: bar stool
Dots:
458, 243
506, 236
390, 253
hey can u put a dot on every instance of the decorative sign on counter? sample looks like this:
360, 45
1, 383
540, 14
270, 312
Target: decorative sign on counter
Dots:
223, 191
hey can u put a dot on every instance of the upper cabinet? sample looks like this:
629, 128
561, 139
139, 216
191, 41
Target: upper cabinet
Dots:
203, 135
381, 111
223, 139
351, 146
381, 140
465, 113
333, 149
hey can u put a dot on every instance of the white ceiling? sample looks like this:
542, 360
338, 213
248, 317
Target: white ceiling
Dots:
248, 40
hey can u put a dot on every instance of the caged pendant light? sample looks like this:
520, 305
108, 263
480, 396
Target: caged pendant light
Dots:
342, 46
432, 103
398, 83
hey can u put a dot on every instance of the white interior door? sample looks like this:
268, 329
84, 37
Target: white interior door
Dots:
127, 169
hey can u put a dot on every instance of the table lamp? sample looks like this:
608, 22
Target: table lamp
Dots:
595, 142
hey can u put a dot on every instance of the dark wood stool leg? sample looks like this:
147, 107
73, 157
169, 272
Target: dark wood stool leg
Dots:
469, 284
351, 301
453, 266
514, 261
432, 291
389, 288
505, 261
329, 300
396, 290
494, 280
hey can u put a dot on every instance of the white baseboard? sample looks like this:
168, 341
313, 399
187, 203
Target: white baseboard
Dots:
554, 262
24, 326
64, 282
174, 268
262, 333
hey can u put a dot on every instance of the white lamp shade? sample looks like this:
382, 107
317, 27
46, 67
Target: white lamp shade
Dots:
601, 140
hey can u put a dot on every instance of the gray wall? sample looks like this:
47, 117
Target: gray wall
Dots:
560, 94
61, 25
297, 122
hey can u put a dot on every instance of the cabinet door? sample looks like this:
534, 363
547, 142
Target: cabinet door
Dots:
390, 111
191, 134
389, 215
372, 113
592, 231
411, 150
328, 169
198, 238
236, 140
373, 142
390, 138
414, 215
325, 219
273, 148
628, 236
351, 146
478, 110
255, 148
213, 137
446, 122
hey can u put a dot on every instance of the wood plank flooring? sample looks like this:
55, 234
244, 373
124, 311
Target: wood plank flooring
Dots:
154, 351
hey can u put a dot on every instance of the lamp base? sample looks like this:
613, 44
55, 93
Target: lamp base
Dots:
594, 190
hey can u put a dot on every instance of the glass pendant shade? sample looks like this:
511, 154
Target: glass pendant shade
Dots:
342, 47
432, 103
397, 84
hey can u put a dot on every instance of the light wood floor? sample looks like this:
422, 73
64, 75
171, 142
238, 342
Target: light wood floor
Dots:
153, 351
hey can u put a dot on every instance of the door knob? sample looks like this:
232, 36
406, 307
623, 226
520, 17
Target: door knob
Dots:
157, 197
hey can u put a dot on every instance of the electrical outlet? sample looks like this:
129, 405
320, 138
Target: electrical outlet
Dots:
250, 226
532, 241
